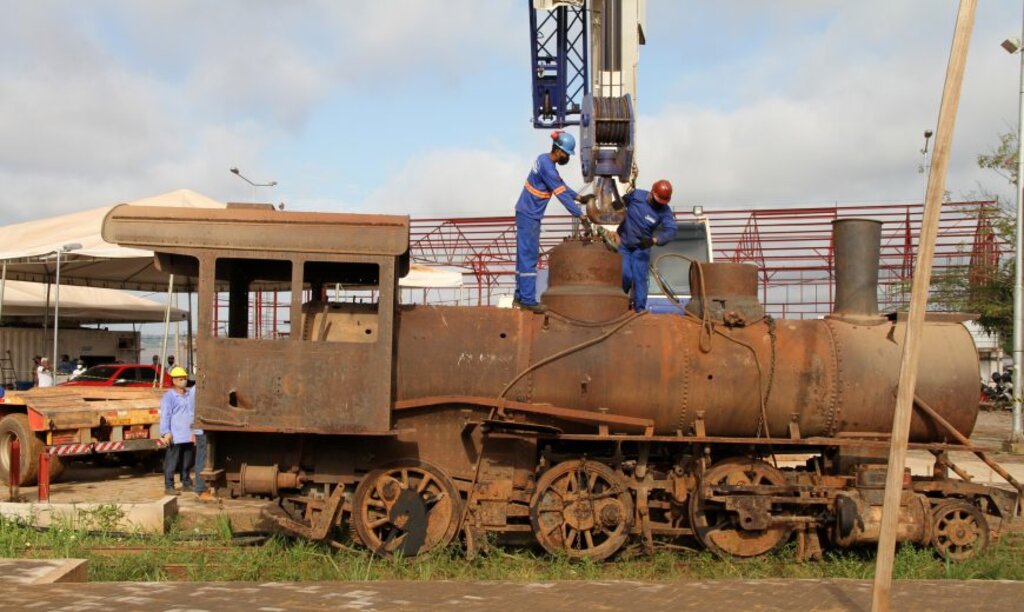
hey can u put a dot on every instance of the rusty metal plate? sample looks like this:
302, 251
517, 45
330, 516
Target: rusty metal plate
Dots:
152, 227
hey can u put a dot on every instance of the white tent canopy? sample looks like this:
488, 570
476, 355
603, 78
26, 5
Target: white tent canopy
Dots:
23, 300
425, 277
28, 248
29, 252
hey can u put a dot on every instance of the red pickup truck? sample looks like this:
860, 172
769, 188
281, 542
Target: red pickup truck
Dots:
118, 375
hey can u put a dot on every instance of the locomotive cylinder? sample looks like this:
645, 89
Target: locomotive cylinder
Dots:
860, 522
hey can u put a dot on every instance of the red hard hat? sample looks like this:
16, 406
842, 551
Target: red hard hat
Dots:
662, 191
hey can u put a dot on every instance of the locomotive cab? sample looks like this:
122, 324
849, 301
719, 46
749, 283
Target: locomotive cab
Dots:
254, 379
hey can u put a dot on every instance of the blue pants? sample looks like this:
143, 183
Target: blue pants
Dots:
635, 265
200, 462
527, 253
178, 460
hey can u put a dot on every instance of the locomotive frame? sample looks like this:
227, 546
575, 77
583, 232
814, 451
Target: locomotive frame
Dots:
347, 422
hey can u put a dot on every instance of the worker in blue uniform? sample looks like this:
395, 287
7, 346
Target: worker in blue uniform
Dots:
649, 221
542, 184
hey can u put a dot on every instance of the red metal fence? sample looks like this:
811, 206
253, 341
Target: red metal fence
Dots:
792, 248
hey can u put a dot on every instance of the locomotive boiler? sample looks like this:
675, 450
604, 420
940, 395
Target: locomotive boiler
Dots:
580, 428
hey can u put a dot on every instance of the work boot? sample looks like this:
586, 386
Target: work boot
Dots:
187, 488
171, 491
206, 496
536, 308
517, 304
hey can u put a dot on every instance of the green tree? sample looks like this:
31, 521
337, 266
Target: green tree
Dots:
1003, 158
988, 292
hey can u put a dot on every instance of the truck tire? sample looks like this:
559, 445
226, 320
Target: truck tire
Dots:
15, 427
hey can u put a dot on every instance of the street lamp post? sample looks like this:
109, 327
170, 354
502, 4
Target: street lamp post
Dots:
236, 172
1016, 440
67, 248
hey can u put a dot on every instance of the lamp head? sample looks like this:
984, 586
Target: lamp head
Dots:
698, 211
1012, 45
234, 170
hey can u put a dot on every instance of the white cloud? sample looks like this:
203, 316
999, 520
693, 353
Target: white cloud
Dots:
456, 182
839, 118
179, 91
108, 101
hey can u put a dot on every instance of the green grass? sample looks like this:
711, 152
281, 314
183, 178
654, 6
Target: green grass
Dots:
282, 559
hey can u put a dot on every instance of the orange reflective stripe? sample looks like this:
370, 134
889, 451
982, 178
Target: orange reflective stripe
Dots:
559, 190
537, 192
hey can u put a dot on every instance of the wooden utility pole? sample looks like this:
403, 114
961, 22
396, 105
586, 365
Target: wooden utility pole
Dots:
881, 596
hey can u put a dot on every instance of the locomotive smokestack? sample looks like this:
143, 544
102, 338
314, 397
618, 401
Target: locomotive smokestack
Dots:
857, 250
585, 282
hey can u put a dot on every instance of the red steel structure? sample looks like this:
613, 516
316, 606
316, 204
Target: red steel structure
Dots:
791, 247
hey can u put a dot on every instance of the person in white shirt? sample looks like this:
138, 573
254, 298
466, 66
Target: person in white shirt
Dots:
43, 373
79, 368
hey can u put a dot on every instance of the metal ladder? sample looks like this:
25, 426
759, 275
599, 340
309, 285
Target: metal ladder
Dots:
7, 374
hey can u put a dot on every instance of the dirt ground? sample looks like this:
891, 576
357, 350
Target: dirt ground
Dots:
991, 429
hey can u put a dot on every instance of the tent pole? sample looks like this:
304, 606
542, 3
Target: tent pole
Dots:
46, 317
56, 320
3, 286
188, 330
159, 381
177, 334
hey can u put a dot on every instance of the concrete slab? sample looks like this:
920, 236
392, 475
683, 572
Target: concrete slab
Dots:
98, 484
758, 595
42, 571
149, 517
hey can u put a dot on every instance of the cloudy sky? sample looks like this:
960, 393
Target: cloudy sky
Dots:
423, 106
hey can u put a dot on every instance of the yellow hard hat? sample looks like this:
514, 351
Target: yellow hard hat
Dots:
178, 372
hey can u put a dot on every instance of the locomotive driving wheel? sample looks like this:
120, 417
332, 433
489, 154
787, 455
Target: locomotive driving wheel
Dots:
409, 507
960, 530
722, 531
581, 509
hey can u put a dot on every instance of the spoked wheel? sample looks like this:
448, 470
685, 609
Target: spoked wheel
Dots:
409, 507
960, 530
720, 530
581, 509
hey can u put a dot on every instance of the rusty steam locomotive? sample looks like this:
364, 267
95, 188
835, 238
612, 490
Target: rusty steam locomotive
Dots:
581, 428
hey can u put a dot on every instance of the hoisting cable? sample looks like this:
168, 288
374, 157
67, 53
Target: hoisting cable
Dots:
708, 327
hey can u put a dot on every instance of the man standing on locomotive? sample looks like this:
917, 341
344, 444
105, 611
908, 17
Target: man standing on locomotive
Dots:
649, 222
542, 183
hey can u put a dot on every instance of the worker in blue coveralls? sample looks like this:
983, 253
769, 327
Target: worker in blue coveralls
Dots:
176, 415
649, 222
542, 184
